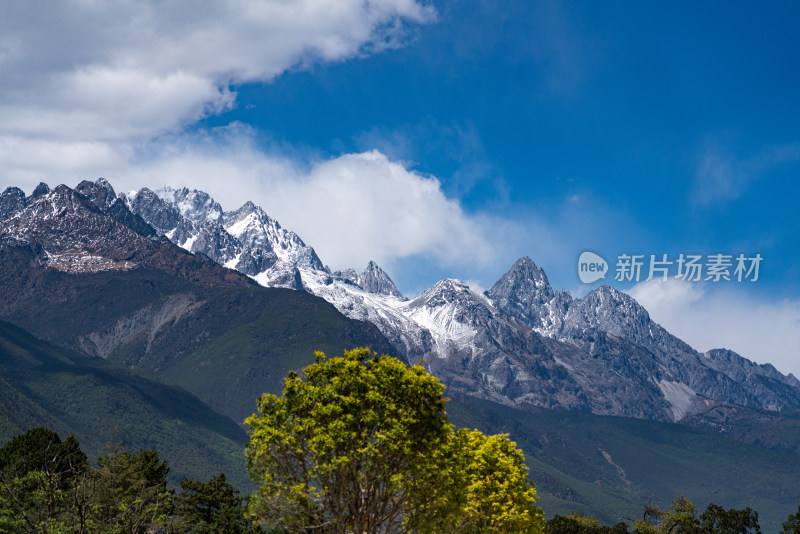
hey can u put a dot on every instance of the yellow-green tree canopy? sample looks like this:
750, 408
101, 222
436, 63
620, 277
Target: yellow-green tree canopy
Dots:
362, 444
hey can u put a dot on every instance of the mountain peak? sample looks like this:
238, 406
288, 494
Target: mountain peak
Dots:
607, 296
612, 311
445, 291
99, 193
524, 293
41, 189
196, 206
12, 201
231, 218
158, 212
373, 279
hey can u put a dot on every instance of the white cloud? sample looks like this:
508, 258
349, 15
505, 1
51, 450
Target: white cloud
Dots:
94, 71
351, 209
107, 88
707, 318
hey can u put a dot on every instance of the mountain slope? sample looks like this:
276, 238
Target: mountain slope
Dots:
75, 276
173, 328
44, 385
611, 467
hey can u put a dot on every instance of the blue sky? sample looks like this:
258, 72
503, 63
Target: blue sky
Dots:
642, 129
452, 137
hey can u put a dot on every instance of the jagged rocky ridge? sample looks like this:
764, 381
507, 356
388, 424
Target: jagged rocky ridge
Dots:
87, 232
520, 343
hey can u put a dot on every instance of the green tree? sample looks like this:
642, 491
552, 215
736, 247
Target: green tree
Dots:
131, 491
362, 444
209, 507
338, 449
498, 496
718, 520
792, 523
581, 524
44, 484
682, 518
41, 449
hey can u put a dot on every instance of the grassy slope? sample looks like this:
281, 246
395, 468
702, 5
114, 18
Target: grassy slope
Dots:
240, 343
654, 460
44, 385
237, 343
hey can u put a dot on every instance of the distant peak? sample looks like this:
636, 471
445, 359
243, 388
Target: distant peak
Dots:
524, 282
375, 280
100, 193
524, 293
525, 261
12, 201
246, 209
613, 294
446, 291
12, 191
451, 285
41, 189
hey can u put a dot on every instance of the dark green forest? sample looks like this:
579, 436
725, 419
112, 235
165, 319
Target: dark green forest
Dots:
358, 443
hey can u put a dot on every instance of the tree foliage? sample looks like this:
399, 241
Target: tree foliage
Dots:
43, 484
361, 443
581, 524
682, 518
792, 523
47, 486
209, 507
131, 490
498, 496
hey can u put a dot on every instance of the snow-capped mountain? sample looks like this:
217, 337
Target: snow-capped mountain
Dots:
87, 232
246, 239
520, 343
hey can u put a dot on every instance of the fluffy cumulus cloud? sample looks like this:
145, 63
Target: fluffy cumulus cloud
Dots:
79, 72
352, 208
707, 318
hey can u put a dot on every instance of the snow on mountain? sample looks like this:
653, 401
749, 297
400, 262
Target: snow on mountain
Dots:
99, 193
12, 201
520, 343
196, 206
387, 312
81, 233
74, 235
257, 230
525, 294
246, 239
